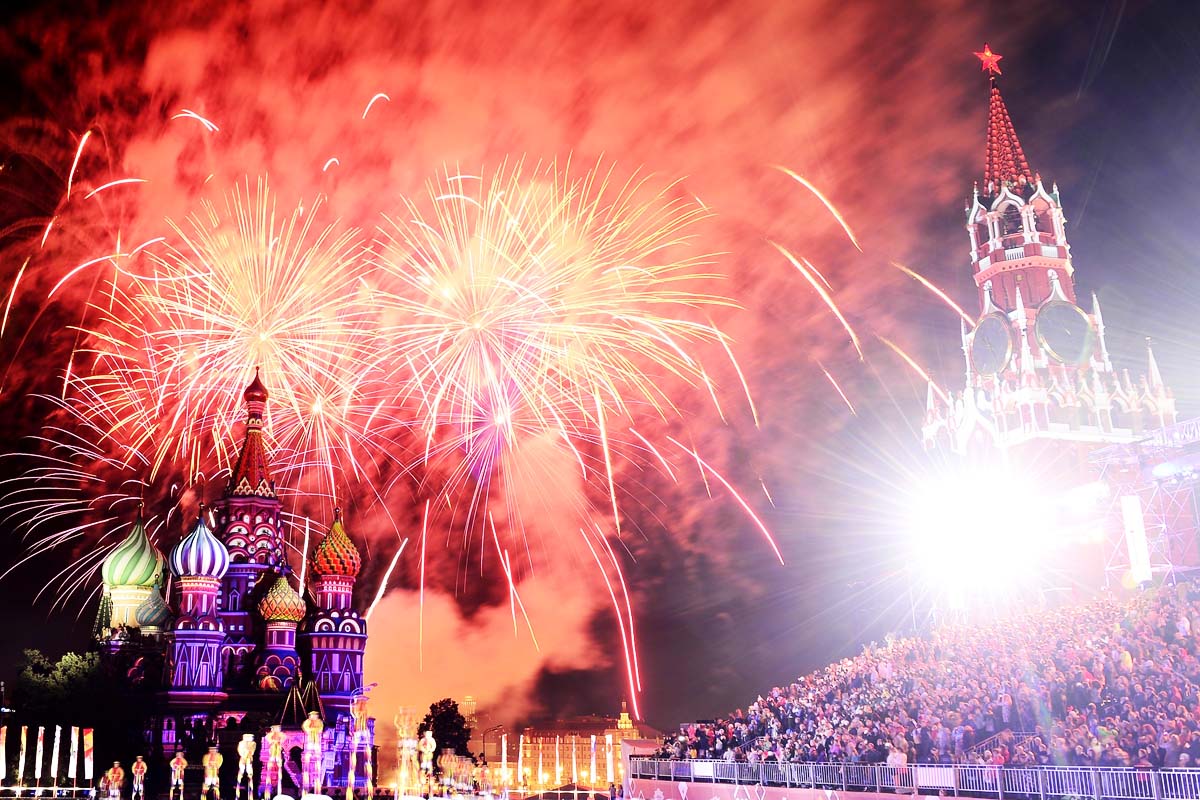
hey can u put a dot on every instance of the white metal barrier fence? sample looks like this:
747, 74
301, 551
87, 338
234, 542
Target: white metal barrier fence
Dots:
1017, 783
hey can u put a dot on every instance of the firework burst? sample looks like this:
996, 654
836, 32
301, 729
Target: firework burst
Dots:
236, 289
542, 303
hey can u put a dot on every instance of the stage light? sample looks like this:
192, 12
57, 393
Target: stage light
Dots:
979, 533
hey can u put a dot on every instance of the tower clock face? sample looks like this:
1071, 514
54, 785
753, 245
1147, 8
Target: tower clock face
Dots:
1064, 331
991, 345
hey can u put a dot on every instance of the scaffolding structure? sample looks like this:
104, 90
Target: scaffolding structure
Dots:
1151, 521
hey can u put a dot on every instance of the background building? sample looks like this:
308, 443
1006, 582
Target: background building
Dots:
585, 751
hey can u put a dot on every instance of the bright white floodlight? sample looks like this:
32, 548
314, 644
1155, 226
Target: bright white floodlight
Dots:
980, 533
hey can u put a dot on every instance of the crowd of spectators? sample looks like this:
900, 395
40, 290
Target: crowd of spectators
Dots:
1114, 682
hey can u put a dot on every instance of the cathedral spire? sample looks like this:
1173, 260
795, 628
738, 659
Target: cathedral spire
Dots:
1098, 319
1005, 162
251, 477
1153, 376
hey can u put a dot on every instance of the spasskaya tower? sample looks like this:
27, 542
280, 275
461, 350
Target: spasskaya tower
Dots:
1038, 377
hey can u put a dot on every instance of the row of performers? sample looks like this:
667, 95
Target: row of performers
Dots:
112, 783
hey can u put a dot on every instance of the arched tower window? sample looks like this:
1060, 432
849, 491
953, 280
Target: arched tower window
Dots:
982, 235
1043, 222
1010, 222
1122, 417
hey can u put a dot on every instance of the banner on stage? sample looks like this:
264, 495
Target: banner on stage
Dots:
88, 755
37, 761
608, 758
54, 753
21, 758
74, 753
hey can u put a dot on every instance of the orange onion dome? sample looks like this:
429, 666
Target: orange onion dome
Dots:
281, 603
336, 554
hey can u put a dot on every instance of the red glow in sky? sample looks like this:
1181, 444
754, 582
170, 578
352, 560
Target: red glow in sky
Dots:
361, 103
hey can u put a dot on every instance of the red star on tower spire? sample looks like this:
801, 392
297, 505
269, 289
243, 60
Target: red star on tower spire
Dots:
991, 61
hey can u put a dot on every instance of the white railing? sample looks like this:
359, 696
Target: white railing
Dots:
957, 780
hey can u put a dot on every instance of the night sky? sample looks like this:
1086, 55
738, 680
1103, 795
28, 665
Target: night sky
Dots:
884, 110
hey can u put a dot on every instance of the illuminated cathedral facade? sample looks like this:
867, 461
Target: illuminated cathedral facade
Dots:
222, 636
1036, 363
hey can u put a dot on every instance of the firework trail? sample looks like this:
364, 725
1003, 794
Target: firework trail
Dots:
838, 388
235, 289
938, 293
913, 365
532, 304
837, 215
807, 271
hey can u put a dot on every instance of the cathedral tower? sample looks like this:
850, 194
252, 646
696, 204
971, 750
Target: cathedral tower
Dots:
132, 576
278, 662
248, 520
194, 665
336, 634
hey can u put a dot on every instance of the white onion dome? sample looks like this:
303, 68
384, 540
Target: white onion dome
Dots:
200, 554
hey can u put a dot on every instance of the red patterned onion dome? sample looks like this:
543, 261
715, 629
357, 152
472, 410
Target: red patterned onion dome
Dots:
281, 603
134, 562
336, 554
256, 392
200, 554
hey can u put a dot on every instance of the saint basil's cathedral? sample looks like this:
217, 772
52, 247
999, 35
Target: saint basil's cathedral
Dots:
233, 647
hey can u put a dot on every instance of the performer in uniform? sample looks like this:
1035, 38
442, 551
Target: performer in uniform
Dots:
139, 779
427, 747
360, 738
114, 781
246, 749
212, 762
274, 741
408, 770
314, 759
178, 765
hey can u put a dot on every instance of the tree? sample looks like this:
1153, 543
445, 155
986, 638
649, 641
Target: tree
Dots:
448, 726
62, 691
78, 690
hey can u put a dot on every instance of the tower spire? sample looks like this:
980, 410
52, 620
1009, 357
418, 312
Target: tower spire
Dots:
1005, 161
1098, 318
251, 476
1153, 376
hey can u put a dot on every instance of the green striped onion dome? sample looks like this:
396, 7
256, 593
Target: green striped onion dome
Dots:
135, 561
153, 612
281, 603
